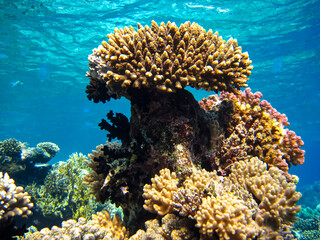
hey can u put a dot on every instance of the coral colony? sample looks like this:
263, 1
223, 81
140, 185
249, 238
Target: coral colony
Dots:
214, 169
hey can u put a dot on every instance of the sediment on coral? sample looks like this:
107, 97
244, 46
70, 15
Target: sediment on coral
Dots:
166, 58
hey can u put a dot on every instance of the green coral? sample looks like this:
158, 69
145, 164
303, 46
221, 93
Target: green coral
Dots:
63, 194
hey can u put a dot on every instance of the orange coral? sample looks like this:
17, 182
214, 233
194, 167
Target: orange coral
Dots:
255, 129
100, 227
159, 195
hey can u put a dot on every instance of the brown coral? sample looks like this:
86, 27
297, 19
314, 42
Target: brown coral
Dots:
159, 195
100, 227
13, 200
166, 58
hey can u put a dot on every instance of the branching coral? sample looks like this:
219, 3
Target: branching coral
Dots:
100, 227
252, 201
171, 227
106, 162
159, 195
14, 201
64, 195
228, 216
276, 197
255, 129
167, 58
119, 128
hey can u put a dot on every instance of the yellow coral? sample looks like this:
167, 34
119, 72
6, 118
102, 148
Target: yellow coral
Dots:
13, 200
159, 195
100, 227
171, 227
64, 194
167, 58
228, 216
275, 196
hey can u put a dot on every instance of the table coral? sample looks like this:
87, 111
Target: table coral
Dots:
166, 58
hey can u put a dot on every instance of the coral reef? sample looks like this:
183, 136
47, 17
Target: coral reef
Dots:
252, 201
308, 225
196, 147
42, 153
310, 195
254, 129
165, 58
13, 202
26, 164
101, 226
63, 195
171, 227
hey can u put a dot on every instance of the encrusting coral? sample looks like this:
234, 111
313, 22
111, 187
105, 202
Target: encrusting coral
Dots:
166, 58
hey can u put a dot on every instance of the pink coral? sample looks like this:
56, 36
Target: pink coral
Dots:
255, 129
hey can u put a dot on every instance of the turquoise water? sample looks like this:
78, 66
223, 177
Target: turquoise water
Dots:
43, 60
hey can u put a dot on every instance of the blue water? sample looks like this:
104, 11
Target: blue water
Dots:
43, 60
